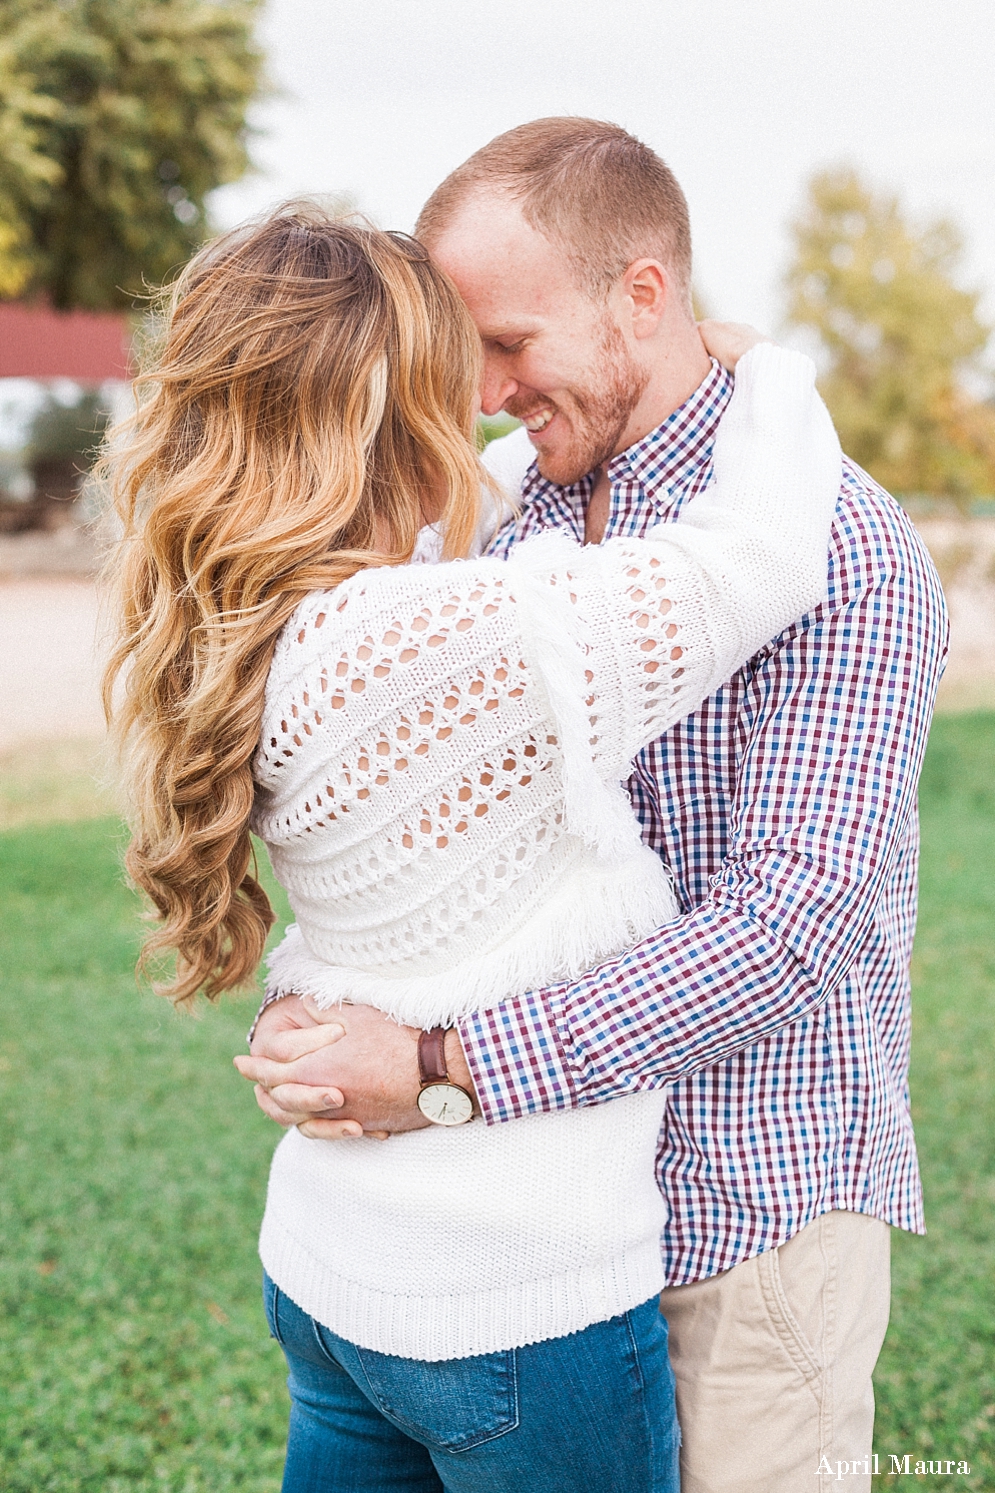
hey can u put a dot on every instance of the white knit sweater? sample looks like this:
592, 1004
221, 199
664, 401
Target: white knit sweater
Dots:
439, 787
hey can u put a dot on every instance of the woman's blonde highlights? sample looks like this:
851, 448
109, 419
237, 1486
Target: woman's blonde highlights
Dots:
314, 382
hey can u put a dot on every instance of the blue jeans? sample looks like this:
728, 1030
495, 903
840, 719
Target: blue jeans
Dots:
589, 1413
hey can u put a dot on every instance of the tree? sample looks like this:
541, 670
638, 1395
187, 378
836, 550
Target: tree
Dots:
123, 115
26, 173
899, 335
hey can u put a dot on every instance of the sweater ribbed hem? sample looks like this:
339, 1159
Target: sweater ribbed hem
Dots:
466, 1324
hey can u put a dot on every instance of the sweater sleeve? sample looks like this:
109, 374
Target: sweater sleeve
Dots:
609, 645
663, 621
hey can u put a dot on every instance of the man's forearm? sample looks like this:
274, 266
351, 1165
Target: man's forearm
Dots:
304, 1071
688, 997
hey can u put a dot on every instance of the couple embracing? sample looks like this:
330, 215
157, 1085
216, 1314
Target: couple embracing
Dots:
590, 773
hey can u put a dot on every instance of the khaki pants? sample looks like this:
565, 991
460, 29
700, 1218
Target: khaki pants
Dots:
773, 1361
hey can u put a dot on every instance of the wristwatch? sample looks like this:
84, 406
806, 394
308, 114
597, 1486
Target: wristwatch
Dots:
440, 1100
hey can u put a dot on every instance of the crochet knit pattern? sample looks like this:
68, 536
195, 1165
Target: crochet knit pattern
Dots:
439, 787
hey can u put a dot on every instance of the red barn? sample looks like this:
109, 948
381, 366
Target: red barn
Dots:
37, 342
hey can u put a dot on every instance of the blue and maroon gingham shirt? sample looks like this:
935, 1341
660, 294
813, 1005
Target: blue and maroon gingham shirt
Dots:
778, 1005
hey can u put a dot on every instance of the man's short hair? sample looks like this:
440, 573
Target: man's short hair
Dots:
589, 187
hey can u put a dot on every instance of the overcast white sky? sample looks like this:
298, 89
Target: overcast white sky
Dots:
743, 98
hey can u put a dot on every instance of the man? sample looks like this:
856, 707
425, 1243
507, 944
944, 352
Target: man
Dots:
778, 1005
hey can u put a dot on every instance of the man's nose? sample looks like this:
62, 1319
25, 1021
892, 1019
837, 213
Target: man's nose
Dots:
496, 388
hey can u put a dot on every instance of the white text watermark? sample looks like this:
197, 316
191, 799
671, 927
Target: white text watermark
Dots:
903, 1466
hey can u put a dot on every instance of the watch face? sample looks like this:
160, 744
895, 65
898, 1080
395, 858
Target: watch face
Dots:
445, 1104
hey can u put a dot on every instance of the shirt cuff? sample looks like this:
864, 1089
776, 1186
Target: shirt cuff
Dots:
515, 1059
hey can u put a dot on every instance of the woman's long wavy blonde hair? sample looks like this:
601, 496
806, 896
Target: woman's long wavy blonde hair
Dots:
315, 380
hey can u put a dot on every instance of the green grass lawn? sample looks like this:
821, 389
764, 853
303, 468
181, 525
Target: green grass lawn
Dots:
133, 1351
936, 1378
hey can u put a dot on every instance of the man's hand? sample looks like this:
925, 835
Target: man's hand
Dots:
340, 1073
279, 1095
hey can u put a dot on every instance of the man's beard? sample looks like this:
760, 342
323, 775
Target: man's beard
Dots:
597, 414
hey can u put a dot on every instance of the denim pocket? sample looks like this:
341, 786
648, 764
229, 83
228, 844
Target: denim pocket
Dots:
452, 1404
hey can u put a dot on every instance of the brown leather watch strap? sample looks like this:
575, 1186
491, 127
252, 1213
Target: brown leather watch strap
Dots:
432, 1056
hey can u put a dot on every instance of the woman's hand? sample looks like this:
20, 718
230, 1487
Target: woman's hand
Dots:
729, 340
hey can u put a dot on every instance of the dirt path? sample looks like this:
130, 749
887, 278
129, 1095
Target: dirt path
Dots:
49, 667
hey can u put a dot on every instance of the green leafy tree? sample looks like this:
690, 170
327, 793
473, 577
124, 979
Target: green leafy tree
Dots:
26, 173
124, 115
899, 335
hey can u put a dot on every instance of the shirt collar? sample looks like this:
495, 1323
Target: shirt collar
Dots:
666, 459
663, 461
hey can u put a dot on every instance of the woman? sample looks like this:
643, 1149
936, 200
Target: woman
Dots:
433, 757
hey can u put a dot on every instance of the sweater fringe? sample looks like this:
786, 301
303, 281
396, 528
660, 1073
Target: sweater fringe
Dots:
590, 919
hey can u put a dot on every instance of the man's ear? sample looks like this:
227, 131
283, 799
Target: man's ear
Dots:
646, 287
